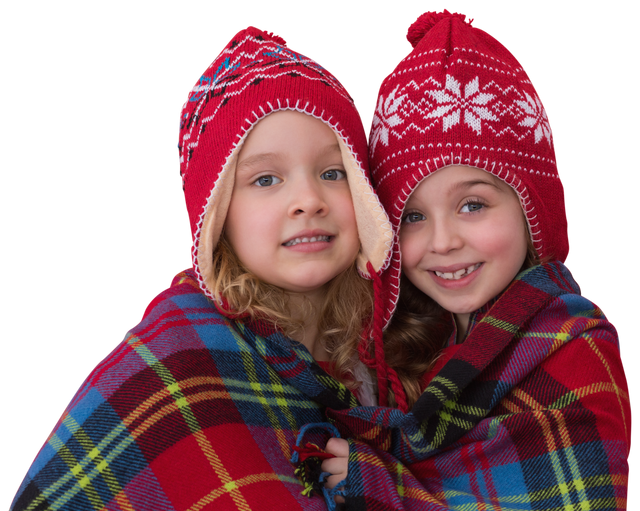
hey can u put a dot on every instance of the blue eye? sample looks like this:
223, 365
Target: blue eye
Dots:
267, 180
333, 175
472, 207
412, 218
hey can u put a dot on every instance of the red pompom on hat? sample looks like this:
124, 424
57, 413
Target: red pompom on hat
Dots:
461, 98
426, 22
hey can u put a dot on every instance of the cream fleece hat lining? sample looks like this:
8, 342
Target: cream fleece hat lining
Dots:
374, 229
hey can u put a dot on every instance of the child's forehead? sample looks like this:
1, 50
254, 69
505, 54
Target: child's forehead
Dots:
287, 121
290, 117
285, 131
455, 175
454, 178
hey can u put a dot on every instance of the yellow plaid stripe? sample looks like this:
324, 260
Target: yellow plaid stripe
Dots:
434, 389
501, 324
577, 486
259, 391
556, 437
513, 502
445, 382
449, 415
181, 403
79, 468
239, 483
502, 503
184, 406
605, 364
445, 418
342, 392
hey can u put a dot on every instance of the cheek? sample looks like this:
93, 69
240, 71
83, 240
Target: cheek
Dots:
506, 242
247, 226
496, 236
249, 215
343, 208
234, 225
411, 251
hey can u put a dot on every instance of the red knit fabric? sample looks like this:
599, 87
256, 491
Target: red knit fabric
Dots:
257, 74
254, 75
460, 98
426, 22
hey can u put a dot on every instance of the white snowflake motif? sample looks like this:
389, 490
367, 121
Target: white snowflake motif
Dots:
535, 116
385, 118
451, 103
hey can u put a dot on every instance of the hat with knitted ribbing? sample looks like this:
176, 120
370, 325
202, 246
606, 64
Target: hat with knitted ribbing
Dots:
254, 76
461, 98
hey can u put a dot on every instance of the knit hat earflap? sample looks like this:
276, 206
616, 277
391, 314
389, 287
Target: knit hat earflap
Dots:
254, 76
461, 98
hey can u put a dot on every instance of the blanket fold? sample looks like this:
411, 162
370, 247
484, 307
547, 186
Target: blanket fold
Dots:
532, 412
196, 411
191, 411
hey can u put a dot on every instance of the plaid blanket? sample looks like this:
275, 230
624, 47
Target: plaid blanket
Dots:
191, 411
531, 412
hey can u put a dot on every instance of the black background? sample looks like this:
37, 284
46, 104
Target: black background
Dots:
102, 226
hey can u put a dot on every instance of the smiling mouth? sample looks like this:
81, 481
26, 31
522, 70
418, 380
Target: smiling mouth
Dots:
457, 275
312, 239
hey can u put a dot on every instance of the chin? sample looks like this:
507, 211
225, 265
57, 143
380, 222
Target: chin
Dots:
304, 288
462, 309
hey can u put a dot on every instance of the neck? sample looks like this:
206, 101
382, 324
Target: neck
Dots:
462, 324
308, 316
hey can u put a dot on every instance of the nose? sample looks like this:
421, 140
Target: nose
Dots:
307, 198
443, 236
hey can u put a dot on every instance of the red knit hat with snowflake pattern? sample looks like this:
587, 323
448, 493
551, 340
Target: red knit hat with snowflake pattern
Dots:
461, 98
255, 75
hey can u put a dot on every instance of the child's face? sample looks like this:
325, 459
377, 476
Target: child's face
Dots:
463, 237
291, 220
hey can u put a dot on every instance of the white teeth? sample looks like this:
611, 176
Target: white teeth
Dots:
306, 240
458, 274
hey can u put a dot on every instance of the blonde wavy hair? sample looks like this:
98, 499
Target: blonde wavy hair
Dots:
419, 330
345, 312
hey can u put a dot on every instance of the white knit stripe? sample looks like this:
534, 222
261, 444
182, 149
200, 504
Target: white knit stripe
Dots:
441, 106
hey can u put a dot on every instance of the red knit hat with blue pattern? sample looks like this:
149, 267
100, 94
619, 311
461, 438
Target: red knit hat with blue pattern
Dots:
461, 98
255, 75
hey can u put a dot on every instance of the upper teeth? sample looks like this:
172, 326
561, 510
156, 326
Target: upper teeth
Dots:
458, 274
306, 240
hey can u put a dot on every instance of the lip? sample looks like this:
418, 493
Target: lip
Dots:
454, 284
308, 233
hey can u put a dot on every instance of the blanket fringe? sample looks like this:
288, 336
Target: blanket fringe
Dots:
309, 457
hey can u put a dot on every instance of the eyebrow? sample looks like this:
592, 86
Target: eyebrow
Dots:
255, 159
465, 185
329, 149
261, 157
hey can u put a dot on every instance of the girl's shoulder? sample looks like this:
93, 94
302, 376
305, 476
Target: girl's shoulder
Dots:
174, 326
553, 285
183, 292
558, 307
